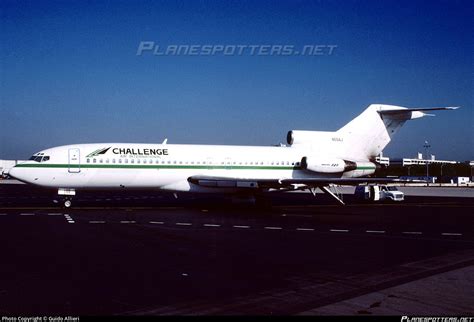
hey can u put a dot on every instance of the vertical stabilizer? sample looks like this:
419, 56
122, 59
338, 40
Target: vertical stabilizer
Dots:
370, 132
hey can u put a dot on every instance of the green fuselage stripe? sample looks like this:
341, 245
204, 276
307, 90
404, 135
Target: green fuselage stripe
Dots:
164, 166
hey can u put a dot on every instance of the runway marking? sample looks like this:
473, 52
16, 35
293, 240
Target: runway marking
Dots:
27, 214
127, 221
375, 231
69, 219
305, 229
273, 228
204, 210
3, 214
339, 230
451, 234
55, 214
97, 222
183, 224
237, 226
157, 222
211, 225
412, 232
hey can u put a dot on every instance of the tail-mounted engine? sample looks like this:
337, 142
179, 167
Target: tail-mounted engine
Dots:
337, 165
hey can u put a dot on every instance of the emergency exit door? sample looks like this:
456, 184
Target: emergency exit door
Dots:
74, 160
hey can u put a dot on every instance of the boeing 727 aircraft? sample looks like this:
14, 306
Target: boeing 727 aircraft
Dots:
314, 159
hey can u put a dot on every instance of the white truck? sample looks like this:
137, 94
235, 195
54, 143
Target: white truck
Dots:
378, 193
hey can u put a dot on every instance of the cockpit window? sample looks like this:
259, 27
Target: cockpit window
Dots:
39, 157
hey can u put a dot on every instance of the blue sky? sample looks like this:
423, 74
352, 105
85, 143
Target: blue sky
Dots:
70, 73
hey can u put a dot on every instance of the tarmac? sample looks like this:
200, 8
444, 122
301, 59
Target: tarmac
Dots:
148, 253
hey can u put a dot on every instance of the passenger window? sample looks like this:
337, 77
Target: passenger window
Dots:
132, 161
94, 161
125, 161
101, 161
144, 161
107, 160
119, 160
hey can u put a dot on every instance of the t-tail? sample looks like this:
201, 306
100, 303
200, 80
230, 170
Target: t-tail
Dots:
364, 137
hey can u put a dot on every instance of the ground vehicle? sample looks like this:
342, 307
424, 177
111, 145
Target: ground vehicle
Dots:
378, 192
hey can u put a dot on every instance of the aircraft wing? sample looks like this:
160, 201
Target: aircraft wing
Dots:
228, 182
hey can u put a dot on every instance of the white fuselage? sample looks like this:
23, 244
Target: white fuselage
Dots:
163, 166
346, 153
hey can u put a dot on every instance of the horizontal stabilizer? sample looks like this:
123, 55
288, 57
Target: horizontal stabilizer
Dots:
411, 113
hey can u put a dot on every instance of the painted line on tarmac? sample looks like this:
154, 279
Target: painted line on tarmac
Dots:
183, 224
375, 231
55, 214
127, 221
97, 222
211, 225
305, 229
451, 234
27, 214
412, 232
3, 214
157, 222
339, 230
272, 228
69, 219
243, 227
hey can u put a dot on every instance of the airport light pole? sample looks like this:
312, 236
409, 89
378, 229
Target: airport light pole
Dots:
427, 146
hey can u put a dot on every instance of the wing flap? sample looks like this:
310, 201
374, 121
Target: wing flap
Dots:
255, 183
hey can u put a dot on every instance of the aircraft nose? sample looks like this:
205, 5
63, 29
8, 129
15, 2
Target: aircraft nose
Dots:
17, 173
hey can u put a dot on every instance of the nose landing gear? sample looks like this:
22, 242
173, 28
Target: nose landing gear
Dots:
68, 194
67, 202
